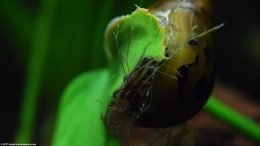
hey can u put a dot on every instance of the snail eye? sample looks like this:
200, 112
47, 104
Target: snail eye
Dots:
193, 42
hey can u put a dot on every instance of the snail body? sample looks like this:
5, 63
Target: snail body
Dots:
165, 93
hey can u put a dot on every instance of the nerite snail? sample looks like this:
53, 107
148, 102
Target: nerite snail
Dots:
160, 94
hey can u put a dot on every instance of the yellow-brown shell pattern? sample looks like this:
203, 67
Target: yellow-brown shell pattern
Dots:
185, 79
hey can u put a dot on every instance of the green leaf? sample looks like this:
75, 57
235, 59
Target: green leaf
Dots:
131, 37
82, 109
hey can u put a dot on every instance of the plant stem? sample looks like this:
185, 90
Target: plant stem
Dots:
233, 118
34, 73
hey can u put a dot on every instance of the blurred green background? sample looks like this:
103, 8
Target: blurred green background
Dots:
45, 44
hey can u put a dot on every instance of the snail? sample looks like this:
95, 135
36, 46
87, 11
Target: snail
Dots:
168, 92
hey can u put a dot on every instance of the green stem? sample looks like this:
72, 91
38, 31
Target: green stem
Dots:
34, 73
233, 118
